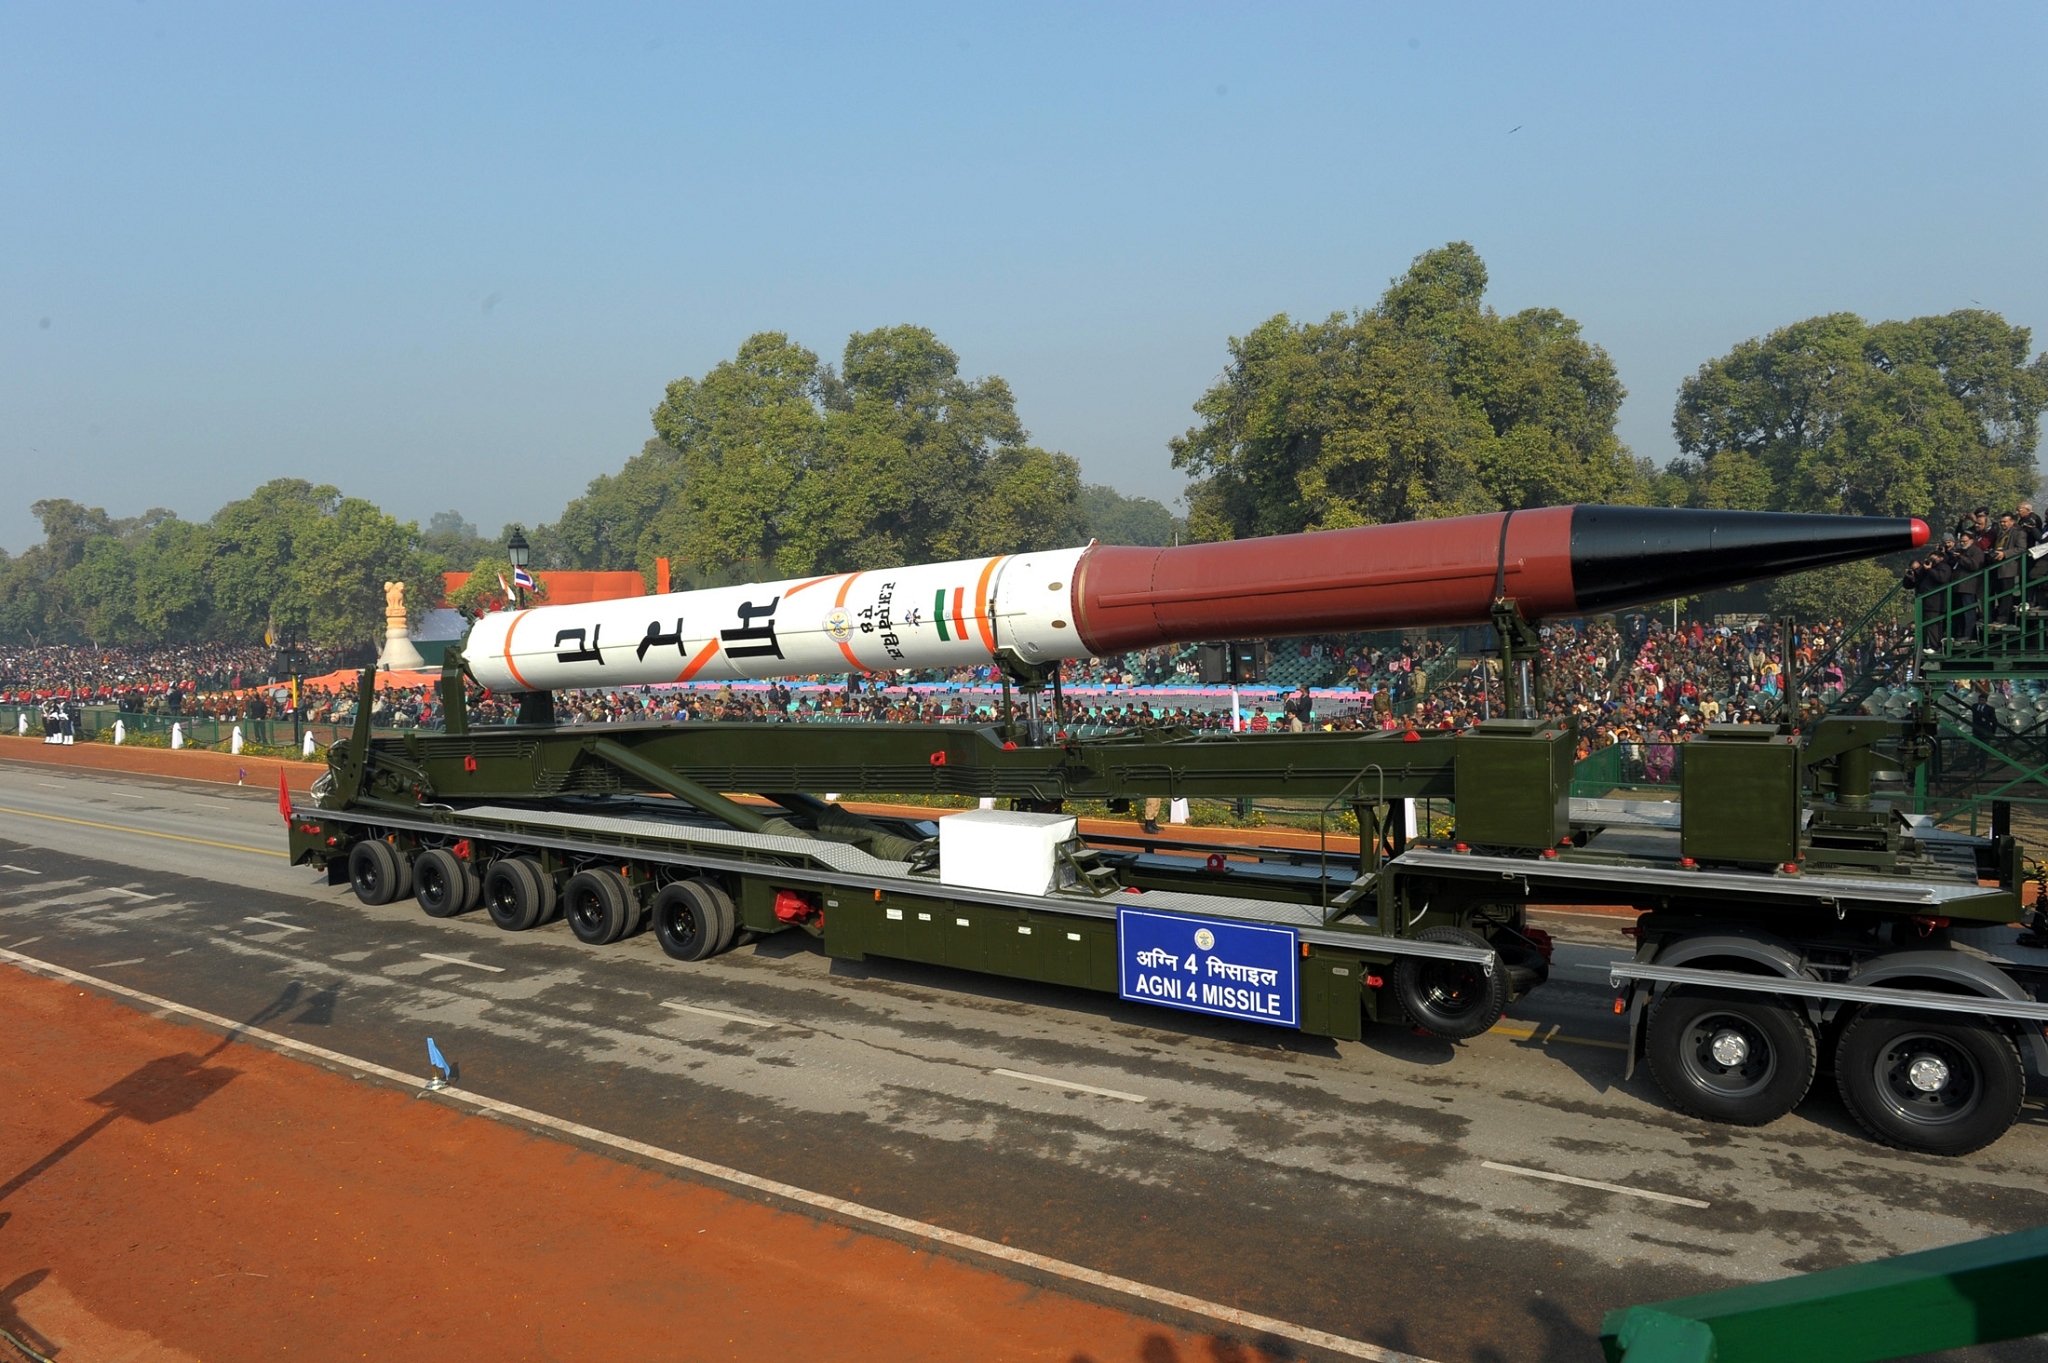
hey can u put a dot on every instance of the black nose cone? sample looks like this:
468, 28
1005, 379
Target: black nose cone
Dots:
1625, 555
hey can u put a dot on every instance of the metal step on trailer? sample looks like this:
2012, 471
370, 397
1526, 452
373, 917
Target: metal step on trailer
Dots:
1894, 892
847, 867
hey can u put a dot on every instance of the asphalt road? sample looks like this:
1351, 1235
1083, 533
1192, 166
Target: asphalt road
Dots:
1345, 1186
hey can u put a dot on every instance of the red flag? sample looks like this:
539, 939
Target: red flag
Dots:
284, 798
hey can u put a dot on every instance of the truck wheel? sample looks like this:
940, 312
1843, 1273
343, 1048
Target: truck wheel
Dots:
1730, 1058
444, 884
1451, 999
600, 906
376, 871
516, 894
693, 919
1921, 1082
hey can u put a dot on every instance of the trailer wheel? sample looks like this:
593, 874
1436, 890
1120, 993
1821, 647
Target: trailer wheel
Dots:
1946, 1087
376, 871
443, 883
516, 894
693, 919
600, 906
1730, 1058
1451, 999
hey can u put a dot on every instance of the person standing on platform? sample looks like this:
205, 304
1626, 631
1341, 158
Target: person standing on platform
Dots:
1928, 580
1966, 566
2008, 553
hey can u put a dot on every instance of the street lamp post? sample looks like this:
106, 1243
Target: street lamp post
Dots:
516, 550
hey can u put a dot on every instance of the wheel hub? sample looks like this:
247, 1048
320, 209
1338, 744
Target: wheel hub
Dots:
1729, 1049
1927, 1074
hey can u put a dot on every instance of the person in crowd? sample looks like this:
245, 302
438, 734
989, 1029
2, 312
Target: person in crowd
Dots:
2008, 556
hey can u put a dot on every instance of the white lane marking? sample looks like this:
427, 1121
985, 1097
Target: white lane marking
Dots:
1593, 1183
457, 960
18, 870
714, 1013
1070, 1084
26, 940
109, 965
273, 923
132, 894
789, 1192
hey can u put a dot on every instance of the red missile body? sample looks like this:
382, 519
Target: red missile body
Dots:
1553, 561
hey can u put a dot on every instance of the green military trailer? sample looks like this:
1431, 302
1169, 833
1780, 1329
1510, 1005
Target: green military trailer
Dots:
1791, 917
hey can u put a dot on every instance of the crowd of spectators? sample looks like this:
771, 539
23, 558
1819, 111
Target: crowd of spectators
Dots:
1980, 578
172, 675
1632, 680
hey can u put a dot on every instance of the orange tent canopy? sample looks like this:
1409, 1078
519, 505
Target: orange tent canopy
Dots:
386, 681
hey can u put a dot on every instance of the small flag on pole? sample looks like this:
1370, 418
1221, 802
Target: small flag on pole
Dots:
284, 797
439, 1062
523, 579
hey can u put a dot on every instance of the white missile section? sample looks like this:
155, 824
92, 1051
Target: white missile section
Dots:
930, 615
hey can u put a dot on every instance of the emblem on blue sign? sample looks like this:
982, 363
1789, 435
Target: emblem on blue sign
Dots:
1208, 965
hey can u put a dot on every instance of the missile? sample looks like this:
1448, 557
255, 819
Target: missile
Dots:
1104, 599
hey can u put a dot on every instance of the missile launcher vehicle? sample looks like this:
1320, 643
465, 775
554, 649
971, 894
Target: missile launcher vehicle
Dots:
1792, 917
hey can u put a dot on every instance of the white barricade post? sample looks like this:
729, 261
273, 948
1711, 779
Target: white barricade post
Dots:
1177, 812
21, 725
177, 736
307, 751
120, 733
235, 740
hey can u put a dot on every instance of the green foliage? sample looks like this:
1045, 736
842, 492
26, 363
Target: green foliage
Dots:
1114, 518
1429, 404
778, 463
298, 561
1844, 592
1927, 417
292, 560
482, 593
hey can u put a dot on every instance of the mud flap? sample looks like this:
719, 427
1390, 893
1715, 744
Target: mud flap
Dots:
1638, 1004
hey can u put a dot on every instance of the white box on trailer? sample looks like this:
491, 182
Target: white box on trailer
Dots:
1000, 849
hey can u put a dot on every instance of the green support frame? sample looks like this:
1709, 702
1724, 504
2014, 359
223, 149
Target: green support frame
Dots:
1978, 1292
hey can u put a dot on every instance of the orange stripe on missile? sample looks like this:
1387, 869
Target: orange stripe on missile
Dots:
511, 666
845, 647
704, 655
959, 622
813, 582
985, 609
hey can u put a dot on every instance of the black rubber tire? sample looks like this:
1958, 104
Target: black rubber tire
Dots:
377, 873
444, 884
1451, 999
1976, 1105
517, 895
694, 919
1771, 1078
600, 906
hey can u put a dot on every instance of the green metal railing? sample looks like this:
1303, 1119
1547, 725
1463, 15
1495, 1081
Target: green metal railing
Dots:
1978, 1292
1982, 625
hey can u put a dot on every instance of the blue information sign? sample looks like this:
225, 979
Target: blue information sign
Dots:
1209, 965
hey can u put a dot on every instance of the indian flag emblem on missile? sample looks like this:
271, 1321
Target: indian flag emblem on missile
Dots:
839, 624
959, 618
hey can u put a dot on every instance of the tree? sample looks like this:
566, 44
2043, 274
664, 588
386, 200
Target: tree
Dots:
1928, 417
776, 464
296, 561
484, 590
1114, 518
1429, 404
621, 517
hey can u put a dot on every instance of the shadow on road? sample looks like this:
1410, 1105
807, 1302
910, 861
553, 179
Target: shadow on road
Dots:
166, 1087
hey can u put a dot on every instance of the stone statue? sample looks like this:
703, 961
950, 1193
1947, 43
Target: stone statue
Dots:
399, 655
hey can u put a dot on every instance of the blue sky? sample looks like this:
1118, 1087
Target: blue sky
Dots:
449, 256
